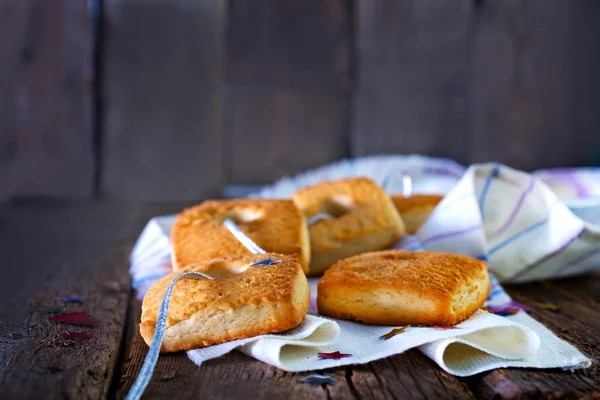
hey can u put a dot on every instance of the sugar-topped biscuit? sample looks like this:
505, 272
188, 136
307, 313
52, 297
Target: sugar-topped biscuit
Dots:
362, 218
398, 287
240, 302
275, 225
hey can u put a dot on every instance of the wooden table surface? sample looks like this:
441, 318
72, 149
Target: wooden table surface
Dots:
57, 248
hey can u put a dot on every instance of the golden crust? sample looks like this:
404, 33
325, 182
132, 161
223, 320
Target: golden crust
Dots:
240, 302
365, 220
415, 209
398, 287
275, 225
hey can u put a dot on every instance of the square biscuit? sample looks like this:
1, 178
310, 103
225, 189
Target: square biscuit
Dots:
398, 287
363, 219
415, 209
239, 302
275, 225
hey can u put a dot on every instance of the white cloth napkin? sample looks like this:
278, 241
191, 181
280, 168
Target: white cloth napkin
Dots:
494, 213
491, 340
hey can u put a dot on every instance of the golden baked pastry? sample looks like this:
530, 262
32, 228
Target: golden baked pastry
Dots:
240, 302
364, 219
275, 225
415, 209
398, 287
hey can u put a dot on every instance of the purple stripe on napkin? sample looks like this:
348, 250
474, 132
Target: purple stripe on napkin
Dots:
516, 210
567, 176
523, 232
578, 260
451, 234
542, 260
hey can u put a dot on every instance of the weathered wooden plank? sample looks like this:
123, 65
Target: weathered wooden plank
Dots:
289, 73
577, 320
162, 70
534, 85
45, 99
409, 375
238, 376
51, 250
231, 376
412, 77
586, 64
299, 43
277, 132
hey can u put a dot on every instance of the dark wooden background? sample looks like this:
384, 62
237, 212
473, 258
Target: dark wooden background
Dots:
174, 99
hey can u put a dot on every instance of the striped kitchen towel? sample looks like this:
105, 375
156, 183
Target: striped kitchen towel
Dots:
515, 222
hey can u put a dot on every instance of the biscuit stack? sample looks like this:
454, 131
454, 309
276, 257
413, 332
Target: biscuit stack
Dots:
335, 228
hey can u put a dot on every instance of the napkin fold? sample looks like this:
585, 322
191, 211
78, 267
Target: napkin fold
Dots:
516, 223
496, 338
284, 350
506, 217
490, 340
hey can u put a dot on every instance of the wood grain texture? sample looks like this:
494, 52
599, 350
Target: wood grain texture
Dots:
60, 248
293, 43
577, 321
412, 77
53, 250
272, 132
45, 99
231, 376
534, 82
410, 375
162, 66
236, 376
